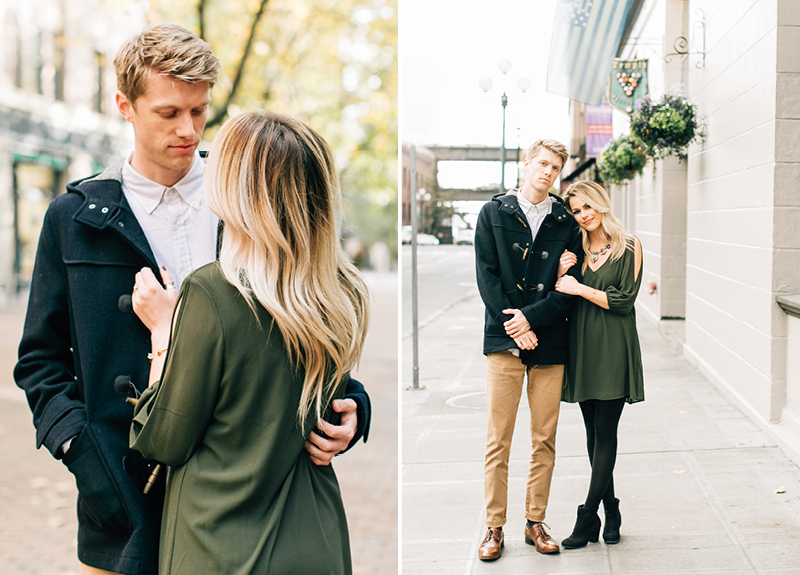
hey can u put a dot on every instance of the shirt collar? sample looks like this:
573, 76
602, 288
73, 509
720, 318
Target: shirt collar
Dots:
542, 207
150, 194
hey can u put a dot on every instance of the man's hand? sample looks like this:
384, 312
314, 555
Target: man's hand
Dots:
527, 340
322, 450
151, 302
517, 325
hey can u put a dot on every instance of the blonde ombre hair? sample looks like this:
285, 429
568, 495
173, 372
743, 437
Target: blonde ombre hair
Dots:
272, 181
166, 49
595, 196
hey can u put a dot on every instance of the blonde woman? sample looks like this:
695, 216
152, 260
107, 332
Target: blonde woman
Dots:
261, 343
605, 366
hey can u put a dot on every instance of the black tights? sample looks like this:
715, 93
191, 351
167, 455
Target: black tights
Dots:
601, 419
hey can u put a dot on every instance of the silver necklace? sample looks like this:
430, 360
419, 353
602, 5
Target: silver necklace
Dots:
602, 252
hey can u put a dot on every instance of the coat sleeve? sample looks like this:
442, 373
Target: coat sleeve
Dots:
622, 298
556, 305
487, 268
46, 369
355, 390
172, 415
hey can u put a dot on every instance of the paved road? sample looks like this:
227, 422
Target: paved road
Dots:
446, 275
37, 494
703, 489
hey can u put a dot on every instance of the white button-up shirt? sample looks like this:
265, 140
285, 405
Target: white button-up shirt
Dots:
177, 222
535, 213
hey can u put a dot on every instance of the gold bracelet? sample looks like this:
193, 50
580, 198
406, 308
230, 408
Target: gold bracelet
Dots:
150, 356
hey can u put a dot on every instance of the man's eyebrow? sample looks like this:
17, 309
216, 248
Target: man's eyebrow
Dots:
167, 106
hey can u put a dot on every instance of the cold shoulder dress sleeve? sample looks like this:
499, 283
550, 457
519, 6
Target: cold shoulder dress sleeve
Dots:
243, 497
605, 360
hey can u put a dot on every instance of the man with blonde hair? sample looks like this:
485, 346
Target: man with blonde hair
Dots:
519, 238
81, 346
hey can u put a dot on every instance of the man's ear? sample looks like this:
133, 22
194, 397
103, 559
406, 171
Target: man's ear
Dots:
124, 106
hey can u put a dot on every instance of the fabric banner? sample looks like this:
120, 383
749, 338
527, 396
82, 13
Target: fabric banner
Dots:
628, 83
598, 129
586, 36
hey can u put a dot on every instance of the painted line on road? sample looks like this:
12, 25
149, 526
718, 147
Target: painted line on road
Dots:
452, 401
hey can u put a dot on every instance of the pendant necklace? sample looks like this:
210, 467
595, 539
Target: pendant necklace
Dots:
602, 252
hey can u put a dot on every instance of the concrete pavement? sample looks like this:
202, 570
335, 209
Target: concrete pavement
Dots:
702, 489
38, 526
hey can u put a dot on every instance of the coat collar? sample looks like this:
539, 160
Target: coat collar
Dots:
103, 198
104, 206
509, 204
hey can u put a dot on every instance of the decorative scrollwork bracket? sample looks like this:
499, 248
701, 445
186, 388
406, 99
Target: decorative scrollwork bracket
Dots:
681, 44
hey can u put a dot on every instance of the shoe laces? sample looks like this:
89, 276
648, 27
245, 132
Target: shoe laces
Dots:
542, 523
540, 532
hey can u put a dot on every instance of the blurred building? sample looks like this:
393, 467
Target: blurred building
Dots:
720, 229
58, 119
426, 177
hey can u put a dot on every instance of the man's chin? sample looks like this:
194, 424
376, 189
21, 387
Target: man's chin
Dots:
542, 188
180, 163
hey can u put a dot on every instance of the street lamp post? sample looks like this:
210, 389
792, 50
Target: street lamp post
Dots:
414, 196
485, 84
504, 102
414, 294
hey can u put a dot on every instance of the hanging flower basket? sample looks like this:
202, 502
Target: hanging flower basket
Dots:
665, 127
622, 159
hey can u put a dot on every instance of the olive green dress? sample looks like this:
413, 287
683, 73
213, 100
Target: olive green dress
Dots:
605, 360
242, 495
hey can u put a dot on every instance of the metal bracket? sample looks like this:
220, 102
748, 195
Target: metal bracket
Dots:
681, 44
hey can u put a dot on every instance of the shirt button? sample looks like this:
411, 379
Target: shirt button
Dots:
104, 210
92, 206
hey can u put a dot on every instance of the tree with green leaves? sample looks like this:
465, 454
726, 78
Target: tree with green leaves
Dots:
331, 63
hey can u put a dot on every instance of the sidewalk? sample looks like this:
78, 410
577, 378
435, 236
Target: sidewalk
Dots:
702, 489
38, 525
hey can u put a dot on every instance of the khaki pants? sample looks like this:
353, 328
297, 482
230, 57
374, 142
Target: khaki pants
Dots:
505, 377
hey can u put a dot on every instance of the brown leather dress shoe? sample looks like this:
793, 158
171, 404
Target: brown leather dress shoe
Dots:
536, 535
492, 546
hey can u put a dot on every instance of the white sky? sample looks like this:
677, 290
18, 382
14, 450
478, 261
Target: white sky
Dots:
446, 47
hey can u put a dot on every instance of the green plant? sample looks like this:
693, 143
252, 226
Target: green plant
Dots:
665, 127
621, 160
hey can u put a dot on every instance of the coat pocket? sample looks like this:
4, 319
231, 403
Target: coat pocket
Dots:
99, 501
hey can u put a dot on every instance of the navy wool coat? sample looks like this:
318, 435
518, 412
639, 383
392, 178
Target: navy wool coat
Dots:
75, 343
517, 271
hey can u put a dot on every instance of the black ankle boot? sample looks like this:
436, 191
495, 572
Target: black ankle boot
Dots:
612, 523
587, 528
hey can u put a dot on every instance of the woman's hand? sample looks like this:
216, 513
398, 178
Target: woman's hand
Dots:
568, 285
567, 260
152, 303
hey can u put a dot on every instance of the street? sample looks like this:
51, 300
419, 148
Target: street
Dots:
446, 275
38, 528
703, 490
